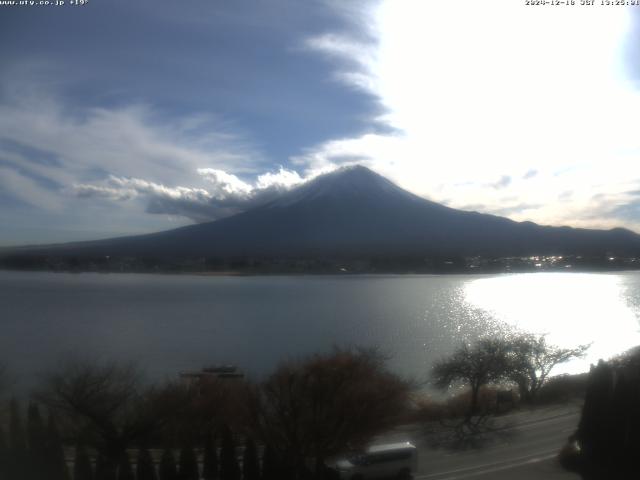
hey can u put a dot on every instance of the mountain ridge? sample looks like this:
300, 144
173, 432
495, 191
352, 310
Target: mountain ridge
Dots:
354, 212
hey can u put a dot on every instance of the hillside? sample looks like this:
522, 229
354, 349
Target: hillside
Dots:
354, 213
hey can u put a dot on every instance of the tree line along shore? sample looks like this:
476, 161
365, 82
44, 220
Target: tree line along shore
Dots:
102, 421
260, 265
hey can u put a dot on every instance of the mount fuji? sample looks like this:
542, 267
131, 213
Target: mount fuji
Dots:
354, 212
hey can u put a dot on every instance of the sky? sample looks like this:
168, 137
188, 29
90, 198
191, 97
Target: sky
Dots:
120, 117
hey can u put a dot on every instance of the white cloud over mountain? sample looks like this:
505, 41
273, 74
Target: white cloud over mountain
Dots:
477, 92
491, 106
224, 195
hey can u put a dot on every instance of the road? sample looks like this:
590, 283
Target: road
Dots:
524, 447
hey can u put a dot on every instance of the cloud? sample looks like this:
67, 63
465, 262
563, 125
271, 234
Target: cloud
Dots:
225, 194
518, 208
461, 101
474, 97
131, 155
283, 179
97, 191
224, 182
504, 182
131, 141
126, 154
608, 209
566, 195
354, 56
629, 211
27, 190
508, 208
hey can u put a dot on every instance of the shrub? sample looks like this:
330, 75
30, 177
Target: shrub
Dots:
82, 465
145, 469
340, 400
125, 472
250, 465
428, 409
229, 469
210, 460
188, 464
168, 469
563, 388
105, 469
55, 459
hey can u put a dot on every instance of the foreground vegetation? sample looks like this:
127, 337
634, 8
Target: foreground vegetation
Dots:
105, 422
605, 446
283, 428
525, 361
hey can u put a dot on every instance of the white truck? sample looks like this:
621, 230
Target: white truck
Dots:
391, 461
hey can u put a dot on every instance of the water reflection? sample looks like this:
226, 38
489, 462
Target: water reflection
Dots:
571, 308
172, 323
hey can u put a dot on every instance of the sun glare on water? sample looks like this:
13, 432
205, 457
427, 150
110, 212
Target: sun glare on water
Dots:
580, 309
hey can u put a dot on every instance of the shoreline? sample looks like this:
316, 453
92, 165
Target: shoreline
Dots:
242, 273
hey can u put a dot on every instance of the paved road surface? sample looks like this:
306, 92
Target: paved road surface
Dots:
525, 448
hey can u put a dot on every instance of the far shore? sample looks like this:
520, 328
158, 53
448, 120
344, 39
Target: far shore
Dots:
345, 272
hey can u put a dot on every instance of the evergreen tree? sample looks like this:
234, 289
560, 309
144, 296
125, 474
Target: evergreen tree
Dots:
229, 469
37, 440
188, 464
274, 466
270, 468
105, 470
250, 465
82, 465
4, 456
168, 466
16, 464
56, 463
210, 460
145, 470
125, 472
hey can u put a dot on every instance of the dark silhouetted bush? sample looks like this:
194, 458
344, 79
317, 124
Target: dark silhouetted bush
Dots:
250, 465
229, 469
608, 431
105, 469
210, 460
17, 460
125, 472
340, 400
37, 440
108, 404
563, 388
273, 466
82, 465
4, 456
56, 462
145, 469
168, 469
188, 465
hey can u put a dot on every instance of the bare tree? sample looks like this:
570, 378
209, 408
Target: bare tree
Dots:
108, 406
210, 404
474, 365
328, 404
531, 360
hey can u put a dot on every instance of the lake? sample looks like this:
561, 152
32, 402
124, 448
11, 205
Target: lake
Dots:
170, 323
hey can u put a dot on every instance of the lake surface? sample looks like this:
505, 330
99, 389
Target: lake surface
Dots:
173, 323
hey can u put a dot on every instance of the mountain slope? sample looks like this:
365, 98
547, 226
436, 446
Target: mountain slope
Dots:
356, 212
